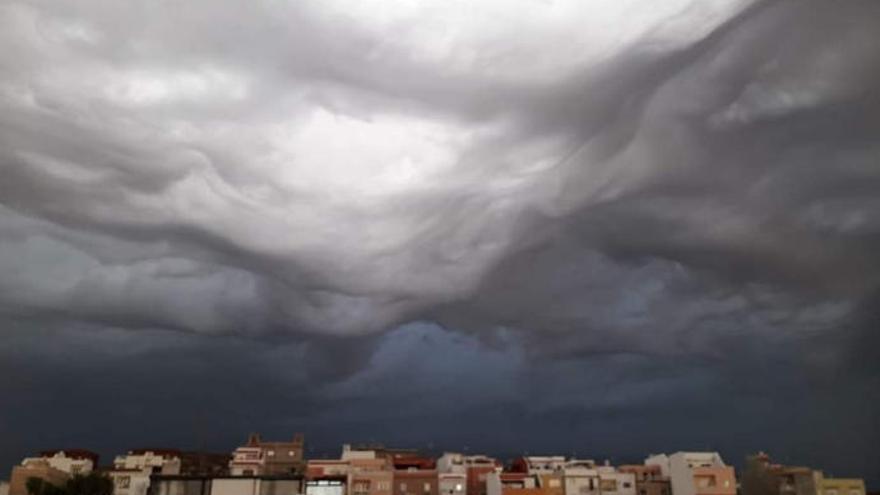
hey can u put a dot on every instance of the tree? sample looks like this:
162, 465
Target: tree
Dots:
34, 486
39, 486
90, 484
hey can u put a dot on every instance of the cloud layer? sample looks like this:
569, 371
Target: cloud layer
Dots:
676, 198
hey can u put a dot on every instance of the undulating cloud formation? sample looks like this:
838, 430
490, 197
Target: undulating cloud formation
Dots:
603, 227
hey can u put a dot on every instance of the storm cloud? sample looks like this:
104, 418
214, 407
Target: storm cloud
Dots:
586, 220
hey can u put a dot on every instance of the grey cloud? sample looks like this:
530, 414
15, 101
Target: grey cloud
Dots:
638, 206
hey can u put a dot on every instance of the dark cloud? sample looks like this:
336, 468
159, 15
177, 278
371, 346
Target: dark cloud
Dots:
618, 229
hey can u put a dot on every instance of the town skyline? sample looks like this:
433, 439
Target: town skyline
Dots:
281, 466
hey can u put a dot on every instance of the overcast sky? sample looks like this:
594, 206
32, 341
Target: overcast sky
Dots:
604, 228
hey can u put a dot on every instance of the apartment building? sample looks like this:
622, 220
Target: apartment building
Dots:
547, 470
762, 477
258, 457
695, 473
451, 466
370, 476
649, 479
131, 472
414, 475
52, 466
841, 486
614, 482
70, 461
35, 468
510, 483
581, 477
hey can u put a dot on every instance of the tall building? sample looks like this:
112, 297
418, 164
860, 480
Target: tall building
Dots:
695, 473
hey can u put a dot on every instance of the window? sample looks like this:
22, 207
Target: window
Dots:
271, 453
291, 453
123, 481
458, 487
627, 484
643, 492
427, 487
705, 481
554, 483
608, 485
403, 487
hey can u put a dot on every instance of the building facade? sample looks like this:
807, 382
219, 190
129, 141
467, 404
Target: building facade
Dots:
695, 473
649, 479
262, 458
51, 466
35, 468
131, 472
762, 477
581, 477
70, 461
474, 468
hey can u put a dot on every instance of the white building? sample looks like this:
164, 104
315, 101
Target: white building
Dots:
581, 477
543, 464
131, 472
695, 473
454, 462
460, 474
72, 462
496, 482
613, 482
246, 461
348, 453
322, 487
